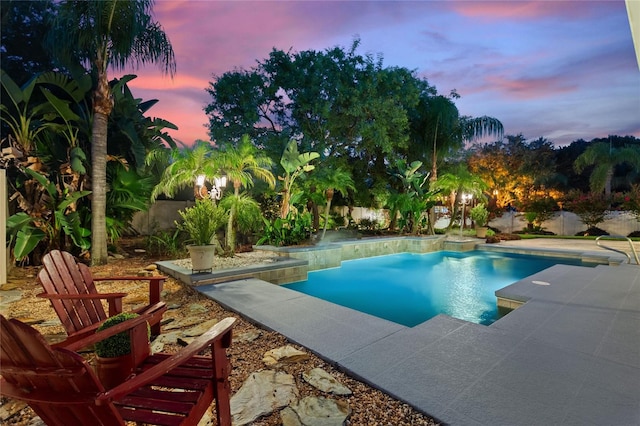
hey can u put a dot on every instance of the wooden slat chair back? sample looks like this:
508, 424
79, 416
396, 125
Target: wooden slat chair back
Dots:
71, 289
61, 387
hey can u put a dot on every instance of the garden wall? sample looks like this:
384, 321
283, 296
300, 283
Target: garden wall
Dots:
567, 223
163, 213
160, 217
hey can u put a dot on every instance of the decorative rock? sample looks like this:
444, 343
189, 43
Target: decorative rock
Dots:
53, 322
168, 338
247, 336
157, 346
288, 417
324, 381
138, 250
144, 273
261, 394
283, 355
185, 322
320, 411
8, 286
152, 267
200, 328
174, 306
29, 320
10, 296
197, 308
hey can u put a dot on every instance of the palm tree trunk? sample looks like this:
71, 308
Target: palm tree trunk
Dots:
326, 211
231, 231
99, 253
102, 107
607, 183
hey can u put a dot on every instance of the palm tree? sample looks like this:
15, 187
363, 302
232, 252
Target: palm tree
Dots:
459, 182
331, 180
241, 164
103, 34
184, 165
605, 158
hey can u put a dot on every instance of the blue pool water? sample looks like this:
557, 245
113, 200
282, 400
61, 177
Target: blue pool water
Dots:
411, 288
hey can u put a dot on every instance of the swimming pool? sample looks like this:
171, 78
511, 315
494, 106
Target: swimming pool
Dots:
411, 288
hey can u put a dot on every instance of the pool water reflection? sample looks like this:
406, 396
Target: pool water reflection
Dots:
411, 288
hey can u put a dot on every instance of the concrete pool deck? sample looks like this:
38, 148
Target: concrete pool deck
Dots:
570, 355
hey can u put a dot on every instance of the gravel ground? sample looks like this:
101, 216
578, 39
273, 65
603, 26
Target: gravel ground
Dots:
369, 406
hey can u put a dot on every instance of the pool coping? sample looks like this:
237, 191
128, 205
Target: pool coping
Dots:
537, 365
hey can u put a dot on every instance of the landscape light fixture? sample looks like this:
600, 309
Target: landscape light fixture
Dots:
216, 192
465, 199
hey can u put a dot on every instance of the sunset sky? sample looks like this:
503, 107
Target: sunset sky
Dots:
562, 70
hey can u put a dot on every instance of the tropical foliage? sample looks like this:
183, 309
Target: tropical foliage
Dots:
102, 35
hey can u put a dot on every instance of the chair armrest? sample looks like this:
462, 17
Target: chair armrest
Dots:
155, 284
217, 332
84, 296
114, 299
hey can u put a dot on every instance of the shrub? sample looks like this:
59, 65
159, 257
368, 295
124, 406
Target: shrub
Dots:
292, 230
201, 222
480, 214
119, 344
590, 207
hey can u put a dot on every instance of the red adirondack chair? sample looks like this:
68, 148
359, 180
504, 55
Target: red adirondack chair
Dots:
70, 288
61, 387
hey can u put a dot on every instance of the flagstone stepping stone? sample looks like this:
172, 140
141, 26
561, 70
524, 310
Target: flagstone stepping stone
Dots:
169, 338
156, 347
8, 286
200, 328
247, 336
283, 355
184, 322
320, 411
197, 308
52, 322
325, 382
261, 394
288, 417
185, 341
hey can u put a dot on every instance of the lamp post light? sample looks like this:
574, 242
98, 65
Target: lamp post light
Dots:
464, 201
216, 192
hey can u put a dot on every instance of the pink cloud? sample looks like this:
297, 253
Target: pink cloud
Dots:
529, 10
529, 88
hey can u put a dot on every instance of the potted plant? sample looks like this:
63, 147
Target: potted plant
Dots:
201, 222
480, 215
114, 359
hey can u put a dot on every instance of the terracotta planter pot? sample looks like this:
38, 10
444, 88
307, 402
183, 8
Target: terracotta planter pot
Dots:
113, 371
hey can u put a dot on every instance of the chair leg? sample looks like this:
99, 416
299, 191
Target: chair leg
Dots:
222, 369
